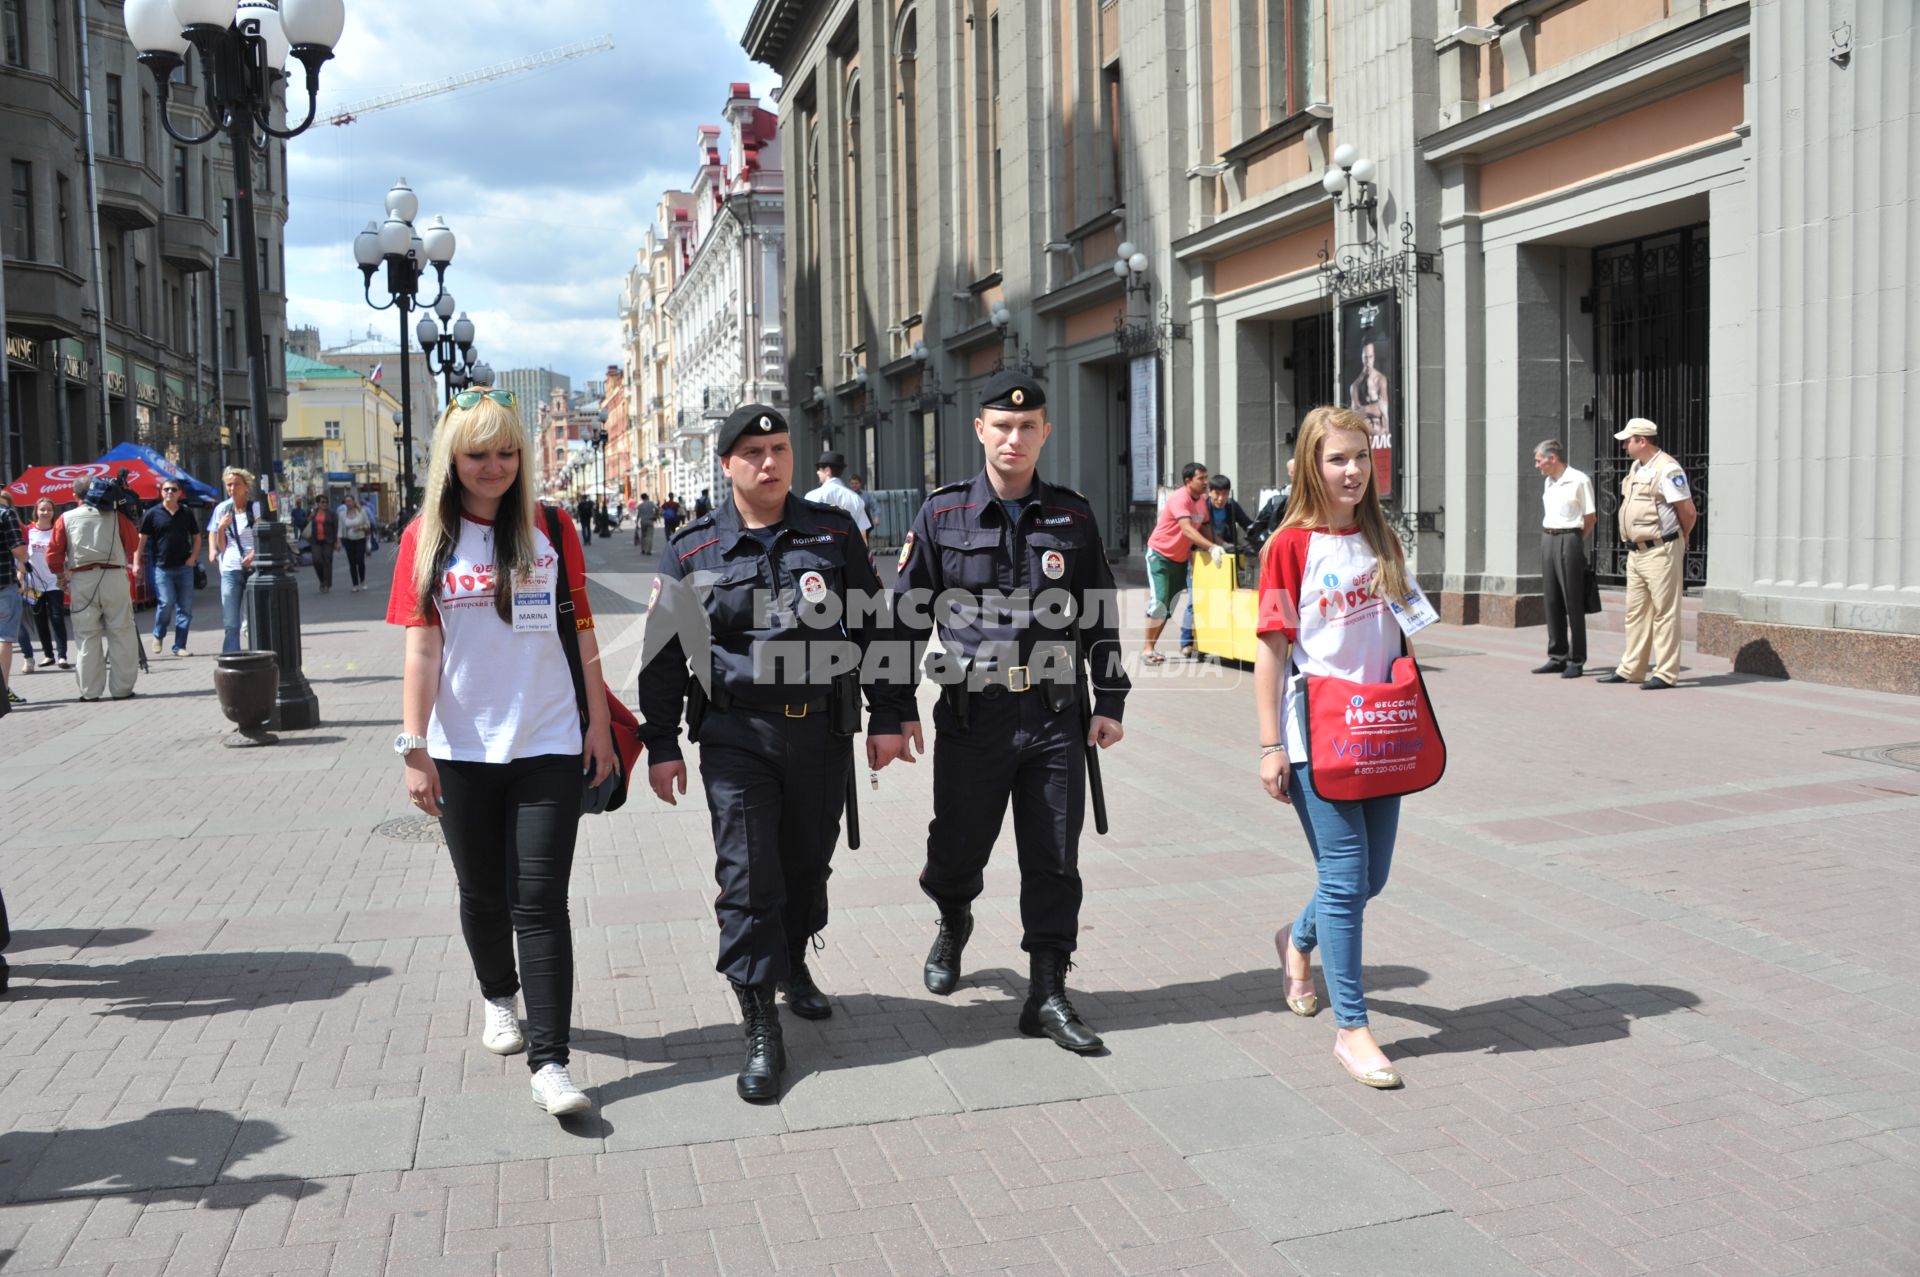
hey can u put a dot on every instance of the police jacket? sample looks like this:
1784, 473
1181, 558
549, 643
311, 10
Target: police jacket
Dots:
999, 591
773, 618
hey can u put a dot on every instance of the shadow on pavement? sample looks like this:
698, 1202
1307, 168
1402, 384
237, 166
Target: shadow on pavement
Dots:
1579, 1016
168, 1149
74, 938
181, 987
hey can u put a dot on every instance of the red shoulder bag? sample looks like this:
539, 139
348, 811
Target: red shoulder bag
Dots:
1373, 740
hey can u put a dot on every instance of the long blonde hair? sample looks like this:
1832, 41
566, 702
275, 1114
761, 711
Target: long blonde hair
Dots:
486, 426
1309, 507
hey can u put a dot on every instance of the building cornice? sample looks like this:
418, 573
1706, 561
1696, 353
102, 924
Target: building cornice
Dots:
1674, 60
1296, 210
771, 28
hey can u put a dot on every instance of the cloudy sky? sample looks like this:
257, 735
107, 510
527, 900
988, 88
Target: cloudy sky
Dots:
548, 178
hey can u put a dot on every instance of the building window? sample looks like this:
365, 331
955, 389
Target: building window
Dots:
57, 21
63, 213
180, 180
146, 128
852, 240
22, 211
1293, 53
226, 228
113, 283
230, 341
206, 187
907, 164
266, 265
333, 430
116, 123
1110, 106
139, 295
993, 193
15, 20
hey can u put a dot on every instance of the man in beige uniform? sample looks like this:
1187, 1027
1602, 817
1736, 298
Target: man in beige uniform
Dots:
1656, 518
92, 545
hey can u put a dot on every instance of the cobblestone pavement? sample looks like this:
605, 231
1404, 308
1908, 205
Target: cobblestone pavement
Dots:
1648, 965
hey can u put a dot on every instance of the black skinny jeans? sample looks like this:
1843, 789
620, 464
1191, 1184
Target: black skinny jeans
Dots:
510, 828
356, 560
50, 618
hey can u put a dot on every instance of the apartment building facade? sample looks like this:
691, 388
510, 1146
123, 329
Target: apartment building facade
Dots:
1484, 224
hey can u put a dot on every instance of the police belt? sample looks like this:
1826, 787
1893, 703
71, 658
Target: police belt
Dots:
725, 703
1648, 545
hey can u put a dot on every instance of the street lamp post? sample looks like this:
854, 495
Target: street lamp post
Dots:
243, 50
407, 253
449, 345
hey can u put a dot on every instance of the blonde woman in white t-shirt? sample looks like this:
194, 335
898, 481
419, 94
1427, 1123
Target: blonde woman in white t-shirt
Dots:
1324, 580
492, 741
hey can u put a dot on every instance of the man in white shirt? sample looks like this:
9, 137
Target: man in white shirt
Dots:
833, 492
1566, 522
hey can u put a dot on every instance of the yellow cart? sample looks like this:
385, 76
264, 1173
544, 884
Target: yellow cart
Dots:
1224, 614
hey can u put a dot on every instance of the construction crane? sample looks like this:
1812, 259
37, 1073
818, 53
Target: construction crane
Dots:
401, 97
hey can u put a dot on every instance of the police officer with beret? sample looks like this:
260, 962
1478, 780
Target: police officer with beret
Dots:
775, 600
1011, 570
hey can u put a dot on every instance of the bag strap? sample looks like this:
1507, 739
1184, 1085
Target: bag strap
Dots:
569, 636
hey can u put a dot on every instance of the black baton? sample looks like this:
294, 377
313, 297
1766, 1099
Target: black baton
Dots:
1095, 788
853, 803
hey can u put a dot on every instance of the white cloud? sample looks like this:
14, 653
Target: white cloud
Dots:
549, 178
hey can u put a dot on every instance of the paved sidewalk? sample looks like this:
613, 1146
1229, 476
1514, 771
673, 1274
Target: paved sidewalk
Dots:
1648, 964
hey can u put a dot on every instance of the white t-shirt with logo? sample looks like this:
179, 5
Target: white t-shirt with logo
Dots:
504, 694
1318, 589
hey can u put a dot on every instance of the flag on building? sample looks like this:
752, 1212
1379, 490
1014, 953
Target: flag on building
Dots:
375, 374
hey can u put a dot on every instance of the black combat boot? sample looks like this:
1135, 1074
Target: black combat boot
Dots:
804, 998
766, 1057
1048, 1013
943, 960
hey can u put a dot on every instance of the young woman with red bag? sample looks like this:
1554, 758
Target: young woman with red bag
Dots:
493, 738
1333, 586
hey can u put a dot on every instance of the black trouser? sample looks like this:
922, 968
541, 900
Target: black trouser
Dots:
356, 559
1013, 746
323, 563
510, 828
50, 618
776, 787
1563, 579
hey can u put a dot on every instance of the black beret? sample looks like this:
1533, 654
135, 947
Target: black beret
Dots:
753, 418
1012, 390
838, 460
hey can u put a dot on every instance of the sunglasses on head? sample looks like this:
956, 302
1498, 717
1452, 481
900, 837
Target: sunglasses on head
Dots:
468, 398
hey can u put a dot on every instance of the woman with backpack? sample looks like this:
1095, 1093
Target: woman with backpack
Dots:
493, 743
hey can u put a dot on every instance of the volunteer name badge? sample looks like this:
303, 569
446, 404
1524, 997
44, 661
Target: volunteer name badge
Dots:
533, 604
1415, 614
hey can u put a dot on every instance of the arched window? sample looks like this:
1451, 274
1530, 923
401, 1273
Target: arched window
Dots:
852, 227
906, 159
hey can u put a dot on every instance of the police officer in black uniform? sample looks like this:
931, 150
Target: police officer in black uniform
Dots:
781, 595
1011, 570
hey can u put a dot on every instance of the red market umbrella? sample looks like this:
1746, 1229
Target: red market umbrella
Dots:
57, 481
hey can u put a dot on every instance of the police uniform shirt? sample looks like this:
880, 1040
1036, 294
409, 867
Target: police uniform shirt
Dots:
1669, 486
1567, 500
963, 541
717, 564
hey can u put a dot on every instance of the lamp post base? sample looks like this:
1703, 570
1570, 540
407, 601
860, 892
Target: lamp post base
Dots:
273, 615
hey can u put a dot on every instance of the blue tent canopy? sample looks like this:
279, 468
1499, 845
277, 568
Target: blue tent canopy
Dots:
159, 465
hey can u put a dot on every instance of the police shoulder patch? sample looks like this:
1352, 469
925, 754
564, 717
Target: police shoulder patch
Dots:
1065, 491
906, 554
961, 486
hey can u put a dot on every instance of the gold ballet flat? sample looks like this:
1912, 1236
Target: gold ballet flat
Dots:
1387, 1079
1308, 1006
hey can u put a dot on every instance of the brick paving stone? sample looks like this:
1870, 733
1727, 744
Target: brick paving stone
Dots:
1628, 1011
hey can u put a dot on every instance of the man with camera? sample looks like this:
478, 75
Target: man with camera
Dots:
93, 544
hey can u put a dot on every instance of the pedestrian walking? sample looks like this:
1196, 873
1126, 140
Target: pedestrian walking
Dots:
1326, 576
584, 514
670, 515
356, 529
230, 537
1226, 519
1657, 515
1012, 723
1566, 521
859, 485
170, 542
833, 491
491, 733
50, 608
323, 534
13, 564
702, 505
790, 579
1180, 528
93, 545
643, 516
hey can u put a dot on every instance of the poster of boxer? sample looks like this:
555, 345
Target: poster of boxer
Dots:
1370, 376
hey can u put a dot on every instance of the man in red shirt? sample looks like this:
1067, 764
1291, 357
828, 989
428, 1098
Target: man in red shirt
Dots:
92, 545
1170, 547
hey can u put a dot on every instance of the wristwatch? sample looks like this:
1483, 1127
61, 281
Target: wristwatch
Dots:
404, 744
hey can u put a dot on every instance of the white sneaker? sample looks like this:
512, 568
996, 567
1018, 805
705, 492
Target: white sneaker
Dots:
501, 1032
554, 1091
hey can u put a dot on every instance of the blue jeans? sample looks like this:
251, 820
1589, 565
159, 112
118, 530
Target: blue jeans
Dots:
233, 606
1186, 623
1352, 846
173, 588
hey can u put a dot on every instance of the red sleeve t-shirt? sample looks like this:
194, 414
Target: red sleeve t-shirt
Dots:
504, 693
